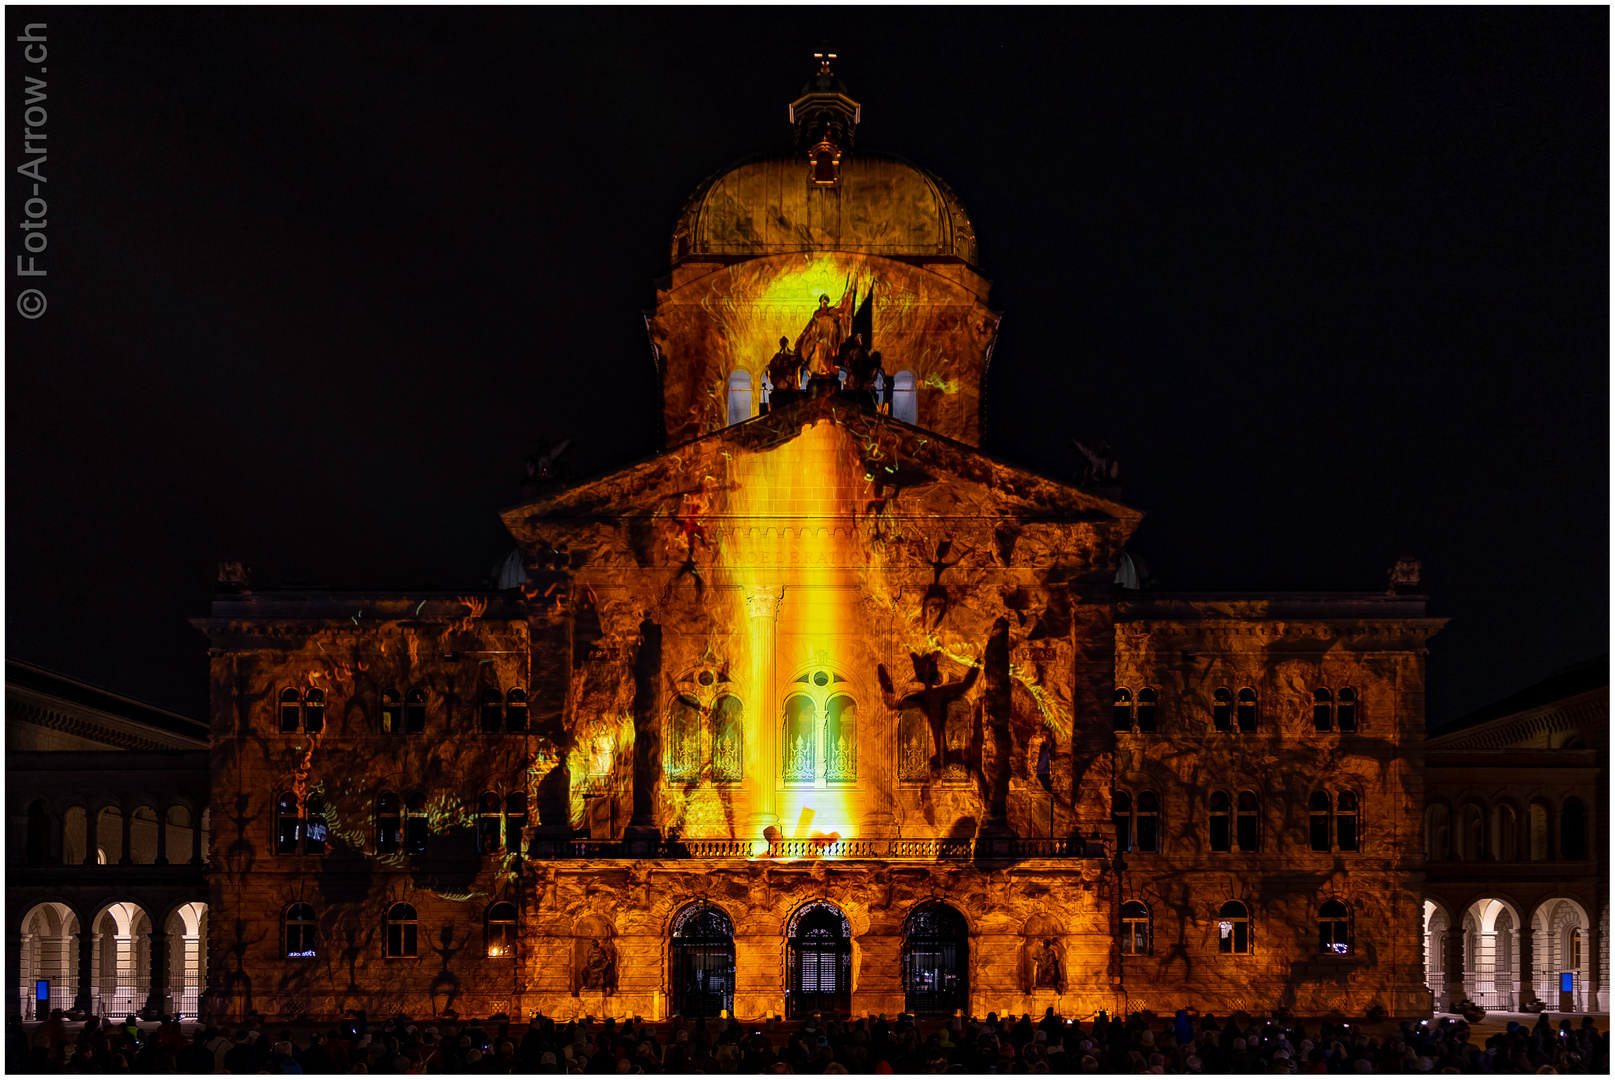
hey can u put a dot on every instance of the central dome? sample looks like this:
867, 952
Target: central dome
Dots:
880, 204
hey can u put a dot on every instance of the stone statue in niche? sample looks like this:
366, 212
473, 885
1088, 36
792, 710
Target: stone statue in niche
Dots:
820, 341
599, 968
785, 368
1047, 974
1405, 577
932, 700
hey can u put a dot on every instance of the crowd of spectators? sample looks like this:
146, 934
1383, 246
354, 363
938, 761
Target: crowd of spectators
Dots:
1139, 1044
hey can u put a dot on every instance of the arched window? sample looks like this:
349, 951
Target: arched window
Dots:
488, 823
515, 820
392, 720
1334, 928
1323, 709
416, 826
516, 710
1149, 820
1319, 805
1135, 928
1346, 711
936, 963
290, 709
703, 947
493, 710
1573, 829
388, 823
1575, 949
38, 851
415, 711
314, 711
905, 399
1247, 813
739, 396
1346, 821
1121, 816
682, 763
401, 927
1537, 816
820, 941
1222, 812
314, 831
1146, 709
1247, 710
1222, 710
841, 740
501, 930
1233, 928
286, 824
1122, 713
1472, 833
1507, 844
799, 738
300, 926
728, 740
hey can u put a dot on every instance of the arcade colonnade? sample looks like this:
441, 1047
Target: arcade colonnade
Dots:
1503, 955
123, 964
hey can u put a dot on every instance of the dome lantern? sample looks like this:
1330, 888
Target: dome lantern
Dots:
826, 121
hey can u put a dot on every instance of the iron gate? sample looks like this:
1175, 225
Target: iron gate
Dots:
703, 961
821, 961
936, 961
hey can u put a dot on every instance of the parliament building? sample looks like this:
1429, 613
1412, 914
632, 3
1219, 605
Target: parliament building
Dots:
821, 707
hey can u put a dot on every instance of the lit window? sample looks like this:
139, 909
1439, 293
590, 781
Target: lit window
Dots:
1149, 819
1346, 822
1122, 713
416, 826
1323, 709
1346, 711
290, 710
1222, 835
401, 927
1233, 928
739, 397
415, 711
841, 740
502, 930
388, 823
314, 831
1247, 710
1248, 831
391, 713
300, 926
286, 824
1319, 805
1334, 924
905, 399
1222, 710
1146, 709
1135, 928
516, 710
488, 823
728, 739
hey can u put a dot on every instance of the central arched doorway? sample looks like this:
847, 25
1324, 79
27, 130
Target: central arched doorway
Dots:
821, 961
936, 961
703, 961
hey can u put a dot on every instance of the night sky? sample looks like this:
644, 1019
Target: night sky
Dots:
1333, 282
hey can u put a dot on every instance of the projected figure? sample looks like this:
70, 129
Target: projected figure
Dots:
933, 701
785, 368
820, 340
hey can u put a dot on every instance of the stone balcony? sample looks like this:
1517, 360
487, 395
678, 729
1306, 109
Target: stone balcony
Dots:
945, 849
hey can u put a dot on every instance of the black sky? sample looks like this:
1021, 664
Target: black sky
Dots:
1334, 282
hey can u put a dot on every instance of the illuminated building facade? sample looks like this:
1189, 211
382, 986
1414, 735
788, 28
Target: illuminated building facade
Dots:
820, 707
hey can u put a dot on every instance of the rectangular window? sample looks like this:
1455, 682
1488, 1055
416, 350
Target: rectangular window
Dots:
1320, 832
1247, 832
1346, 831
400, 939
1219, 832
1124, 842
1146, 832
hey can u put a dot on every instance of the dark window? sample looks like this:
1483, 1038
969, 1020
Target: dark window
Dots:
1149, 819
515, 820
286, 825
516, 710
1146, 709
1249, 831
1346, 822
502, 930
1135, 928
38, 834
820, 943
1346, 711
391, 715
415, 711
1323, 709
936, 964
1247, 710
290, 707
416, 827
1122, 714
1319, 805
1233, 928
314, 832
401, 926
493, 711
488, 823
1573, 829
388, 824
1221, 823
1121, 815
300, 925
1222, 710
1334, 924
314, 711
703, 955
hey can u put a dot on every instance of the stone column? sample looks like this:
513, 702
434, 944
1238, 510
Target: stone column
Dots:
86, 936
92, 836
127, 858
157, 972
1527, 989
14, 941
641, 827
995, 763
162, 836
762, 764
1455, 966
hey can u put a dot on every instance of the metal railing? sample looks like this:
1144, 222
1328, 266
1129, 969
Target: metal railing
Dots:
922, 850
1488, 988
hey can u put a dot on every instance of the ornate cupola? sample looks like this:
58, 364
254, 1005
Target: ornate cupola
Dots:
826, 120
